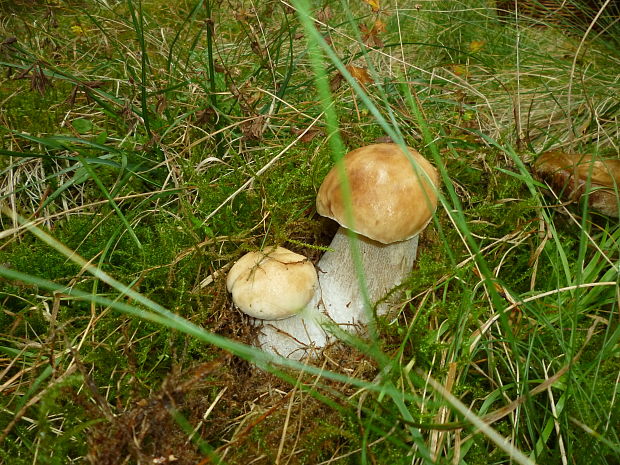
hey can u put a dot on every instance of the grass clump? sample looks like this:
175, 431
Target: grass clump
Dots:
144, 146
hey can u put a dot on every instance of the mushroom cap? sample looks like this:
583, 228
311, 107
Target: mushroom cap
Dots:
272, 284
390, 201
569, 174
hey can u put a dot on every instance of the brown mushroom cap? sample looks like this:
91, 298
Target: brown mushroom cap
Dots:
390, 202
272, 284
569, 173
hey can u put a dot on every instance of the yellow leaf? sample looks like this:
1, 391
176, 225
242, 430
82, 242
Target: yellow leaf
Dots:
78, 30
459, 70
374, 4
476, 45
379, 26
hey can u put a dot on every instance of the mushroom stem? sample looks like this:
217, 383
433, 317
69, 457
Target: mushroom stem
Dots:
385, 266
297, 337
339, 299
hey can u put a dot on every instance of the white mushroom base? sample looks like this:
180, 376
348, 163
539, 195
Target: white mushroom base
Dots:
340, 300
385, 266
296, 337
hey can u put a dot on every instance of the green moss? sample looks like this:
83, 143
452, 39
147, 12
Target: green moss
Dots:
33, 257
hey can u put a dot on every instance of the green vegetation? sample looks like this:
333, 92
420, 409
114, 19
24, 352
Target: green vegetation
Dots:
146, 145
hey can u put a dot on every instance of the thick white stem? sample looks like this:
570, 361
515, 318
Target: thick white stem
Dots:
339, 299
385, 266
297, 337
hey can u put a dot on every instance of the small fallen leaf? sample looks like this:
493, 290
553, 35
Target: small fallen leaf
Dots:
459, 70
243, 16
78, 30
324, 14
205, 117
468, 115
384, 140
359, 74
574, 176
370, 36
335, 82
476, 45
8, 41
161, 105
254, 128
307, 135
38, 80
374, 4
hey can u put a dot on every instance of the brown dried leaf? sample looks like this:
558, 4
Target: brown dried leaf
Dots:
360, 74
205, 117
335, 82
161, 105
308, 136
243, 16
370, 36
8, 41
384, 140
574, 175
39, 81
324, 14
254, 128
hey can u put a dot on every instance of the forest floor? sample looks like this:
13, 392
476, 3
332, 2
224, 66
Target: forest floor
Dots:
146, 145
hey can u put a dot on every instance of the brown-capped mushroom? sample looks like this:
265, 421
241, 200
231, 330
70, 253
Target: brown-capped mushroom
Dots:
573, 175
393, 197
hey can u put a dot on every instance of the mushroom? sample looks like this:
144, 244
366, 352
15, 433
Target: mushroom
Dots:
572, 175
278, 288
393, 197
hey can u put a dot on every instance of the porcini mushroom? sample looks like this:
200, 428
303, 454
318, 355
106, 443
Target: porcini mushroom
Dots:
573, 175
393, 197
278, 288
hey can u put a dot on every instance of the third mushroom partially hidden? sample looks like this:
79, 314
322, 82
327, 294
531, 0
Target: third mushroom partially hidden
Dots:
393, 197
573, 176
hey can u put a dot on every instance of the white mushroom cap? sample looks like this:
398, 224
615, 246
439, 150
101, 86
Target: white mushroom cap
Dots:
272, 284
390, 201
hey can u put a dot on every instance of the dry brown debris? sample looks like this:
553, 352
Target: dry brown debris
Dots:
242, 414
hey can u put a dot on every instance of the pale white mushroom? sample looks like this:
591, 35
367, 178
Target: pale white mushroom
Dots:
393, 197
272, 284
279, 289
